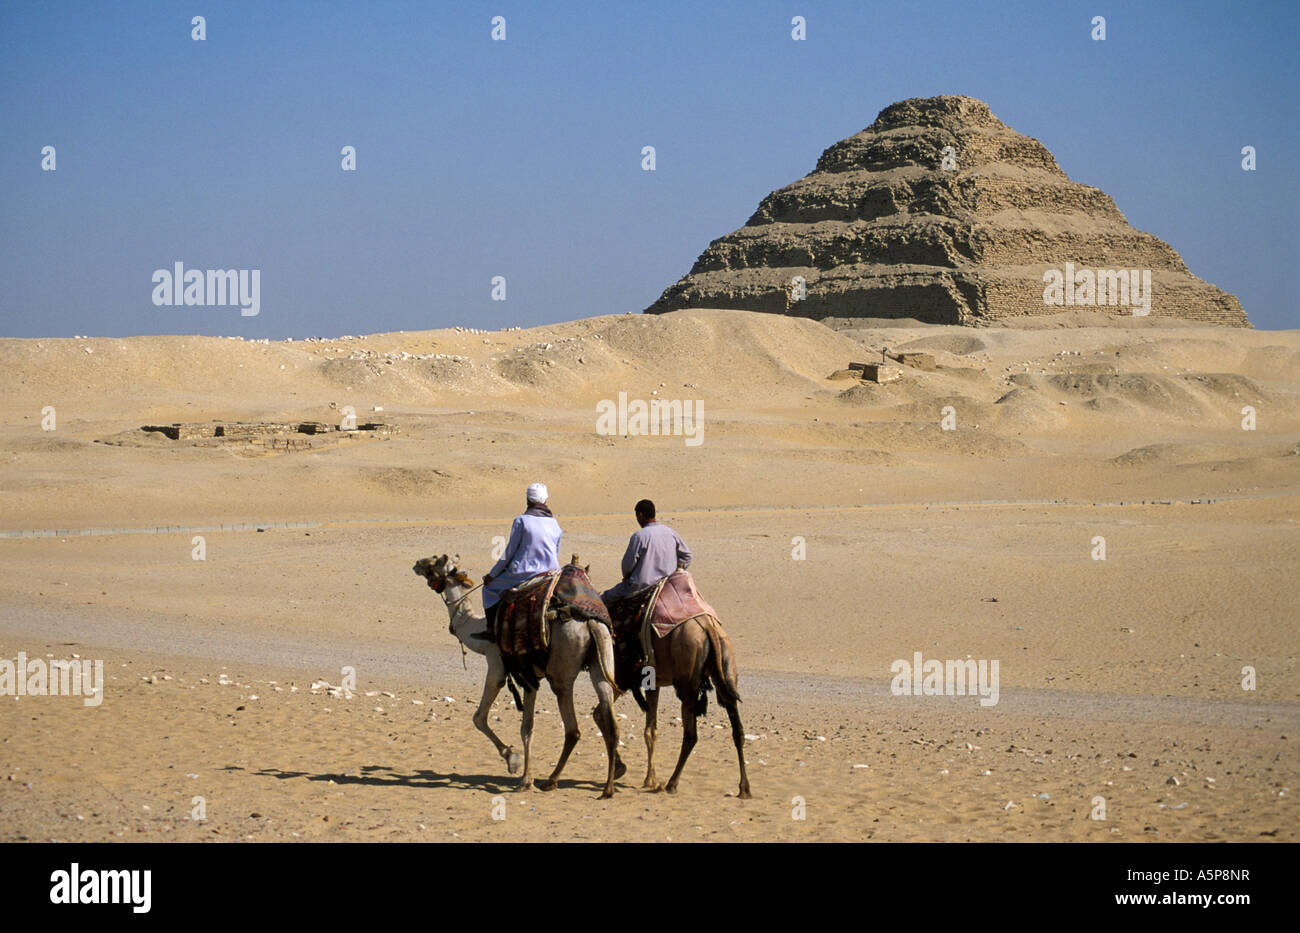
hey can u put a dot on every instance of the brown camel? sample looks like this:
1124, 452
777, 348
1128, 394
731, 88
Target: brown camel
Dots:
689, 657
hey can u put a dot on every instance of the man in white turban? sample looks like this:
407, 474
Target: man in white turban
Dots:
533, 548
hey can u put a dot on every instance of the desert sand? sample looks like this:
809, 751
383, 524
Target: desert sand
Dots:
837, 527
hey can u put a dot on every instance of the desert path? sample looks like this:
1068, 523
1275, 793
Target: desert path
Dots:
110, 635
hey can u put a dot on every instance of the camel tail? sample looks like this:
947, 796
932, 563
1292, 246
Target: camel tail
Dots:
722, 662
603, 643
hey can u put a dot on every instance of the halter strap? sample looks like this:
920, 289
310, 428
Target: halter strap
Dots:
464, 597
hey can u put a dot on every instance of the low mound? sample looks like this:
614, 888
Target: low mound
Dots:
44, 444
1145, 389
956, 344
1271, 361
1173, 454
739, 345
1169, 454
923, 434
1187, 396
721, 353
1023, 409
409, 481
1114, 407
920, 407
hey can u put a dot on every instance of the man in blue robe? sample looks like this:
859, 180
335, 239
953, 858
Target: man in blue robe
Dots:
533, 548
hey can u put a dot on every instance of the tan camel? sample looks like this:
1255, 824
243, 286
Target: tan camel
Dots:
689, 657
575, 645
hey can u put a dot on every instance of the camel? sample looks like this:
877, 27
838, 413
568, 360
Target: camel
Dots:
690, 656
575, 644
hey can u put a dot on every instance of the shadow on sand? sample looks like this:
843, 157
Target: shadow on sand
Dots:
383, 776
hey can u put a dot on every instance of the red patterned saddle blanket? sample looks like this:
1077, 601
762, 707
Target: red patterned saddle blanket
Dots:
522, 629
525, 612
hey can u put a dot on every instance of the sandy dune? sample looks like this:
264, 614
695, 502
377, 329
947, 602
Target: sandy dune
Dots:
1117, 677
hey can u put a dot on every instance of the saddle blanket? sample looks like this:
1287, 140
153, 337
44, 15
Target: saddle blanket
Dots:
523, 628
574, 593
677, 601
651, 613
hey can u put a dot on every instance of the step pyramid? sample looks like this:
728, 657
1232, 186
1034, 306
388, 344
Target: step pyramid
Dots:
939, 211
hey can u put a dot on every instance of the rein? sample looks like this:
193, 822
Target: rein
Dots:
466, 596
452, 608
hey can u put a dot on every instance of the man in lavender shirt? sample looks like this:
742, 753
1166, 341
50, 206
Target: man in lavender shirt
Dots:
652, 554
533, 548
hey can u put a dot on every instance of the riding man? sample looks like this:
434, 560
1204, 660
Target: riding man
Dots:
652, 554
533, 548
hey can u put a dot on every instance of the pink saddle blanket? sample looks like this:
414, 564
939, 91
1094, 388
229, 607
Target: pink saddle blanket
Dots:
677, 601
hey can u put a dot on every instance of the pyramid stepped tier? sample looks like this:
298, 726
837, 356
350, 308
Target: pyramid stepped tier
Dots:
882, 228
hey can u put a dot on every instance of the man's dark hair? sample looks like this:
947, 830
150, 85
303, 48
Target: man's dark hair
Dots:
646, 509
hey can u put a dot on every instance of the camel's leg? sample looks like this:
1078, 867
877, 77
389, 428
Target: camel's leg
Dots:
738, 736
496, 679
688, 737
620, 768
564, 695
526, 735
604, 716
651, 729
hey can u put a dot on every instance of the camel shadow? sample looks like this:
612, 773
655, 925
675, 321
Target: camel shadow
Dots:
383, 776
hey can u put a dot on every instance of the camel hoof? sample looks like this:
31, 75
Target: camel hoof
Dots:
514, 761
670, 788
546, 785
745, 794
525, 786
609, 792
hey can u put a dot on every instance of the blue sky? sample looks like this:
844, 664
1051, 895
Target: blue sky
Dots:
522, 158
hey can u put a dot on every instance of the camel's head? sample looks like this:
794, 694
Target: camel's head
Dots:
439, 571
573, 562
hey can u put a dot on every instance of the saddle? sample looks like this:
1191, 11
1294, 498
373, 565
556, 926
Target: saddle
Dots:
677, 601
522, 628
526, 611
651, 613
